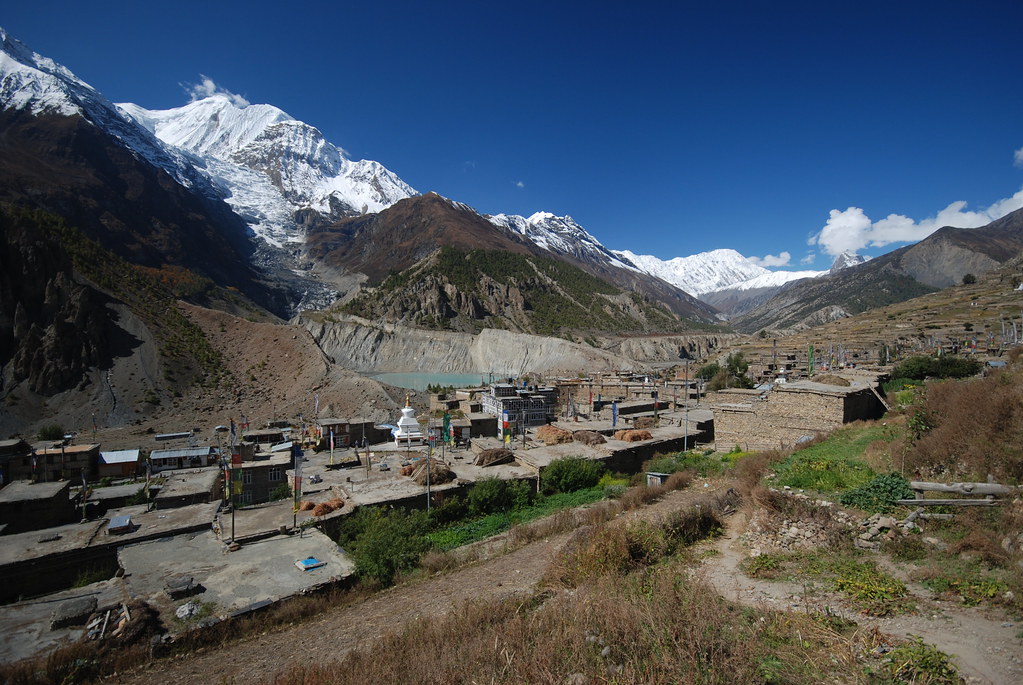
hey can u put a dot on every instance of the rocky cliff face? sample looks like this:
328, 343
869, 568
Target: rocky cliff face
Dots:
52, 328
370, 347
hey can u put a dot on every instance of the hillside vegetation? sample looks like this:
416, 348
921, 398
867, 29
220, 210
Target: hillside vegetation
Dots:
57, 316
471, 290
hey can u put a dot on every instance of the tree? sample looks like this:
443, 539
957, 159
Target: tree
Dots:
737, 365
969, 279
708, 371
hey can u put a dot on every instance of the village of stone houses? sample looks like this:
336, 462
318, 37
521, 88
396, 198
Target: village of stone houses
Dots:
866, 494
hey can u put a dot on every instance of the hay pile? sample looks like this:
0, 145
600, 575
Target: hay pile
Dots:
324, 508
550, 435
306, 505
439, 473
644, 422
589, 437
831, 380
492, 457
633, 435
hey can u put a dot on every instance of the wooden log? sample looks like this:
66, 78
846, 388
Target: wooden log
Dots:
948, 502
937, 517
965, 488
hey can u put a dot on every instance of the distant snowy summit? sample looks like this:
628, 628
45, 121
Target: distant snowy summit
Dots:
275, 168
845, 260
713, 271
560, 235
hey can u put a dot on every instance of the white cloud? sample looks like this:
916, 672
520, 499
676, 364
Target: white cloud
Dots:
520, 184
852, 230
810, 258
782, 259
1017, 157
207, 87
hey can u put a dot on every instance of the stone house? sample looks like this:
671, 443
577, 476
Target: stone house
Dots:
33, 506
780, 417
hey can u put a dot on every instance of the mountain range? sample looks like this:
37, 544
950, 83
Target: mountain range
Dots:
248, 209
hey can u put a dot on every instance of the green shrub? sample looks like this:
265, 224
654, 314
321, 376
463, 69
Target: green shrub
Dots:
880, 494
920, 367
917, 662
493, 495
703, 465
390, 542
451, 509
53, 431
488, 496
282, 491
570, 473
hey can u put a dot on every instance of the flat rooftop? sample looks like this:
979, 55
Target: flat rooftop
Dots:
188, 482
30, 545
26, 490
810, 386
258, 571
116, 491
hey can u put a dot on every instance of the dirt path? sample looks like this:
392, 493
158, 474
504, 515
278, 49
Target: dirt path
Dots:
985, 646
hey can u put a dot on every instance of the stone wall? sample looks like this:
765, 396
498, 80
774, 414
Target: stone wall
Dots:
786, 415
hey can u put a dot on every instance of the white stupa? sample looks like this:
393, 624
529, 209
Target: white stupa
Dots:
408, 431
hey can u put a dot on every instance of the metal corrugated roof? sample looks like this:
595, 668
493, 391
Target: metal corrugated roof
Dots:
175, 454
119, 456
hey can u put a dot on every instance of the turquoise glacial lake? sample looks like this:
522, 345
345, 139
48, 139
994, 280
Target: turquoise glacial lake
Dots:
419, 381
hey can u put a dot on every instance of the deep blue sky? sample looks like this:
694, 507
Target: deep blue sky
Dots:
665, 128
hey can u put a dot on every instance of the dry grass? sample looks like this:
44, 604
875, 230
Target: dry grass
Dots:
652, 626
616, 547
972, 430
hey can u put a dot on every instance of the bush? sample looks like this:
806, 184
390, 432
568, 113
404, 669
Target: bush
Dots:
390, 542
879, 495
569, 474
488, 496
700, 464
920, 367
53, 431
708, 371
282, 491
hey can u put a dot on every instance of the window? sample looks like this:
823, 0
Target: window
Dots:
247, 476
275, 474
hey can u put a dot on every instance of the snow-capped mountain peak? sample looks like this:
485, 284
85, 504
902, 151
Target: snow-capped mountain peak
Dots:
700, 273
273, 167
213, 126
36, 83
708, 272
847, 259
560, 235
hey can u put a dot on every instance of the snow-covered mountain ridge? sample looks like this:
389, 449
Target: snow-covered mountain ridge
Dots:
280, 174
712, 271
274, 167
560, 235
37, 84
